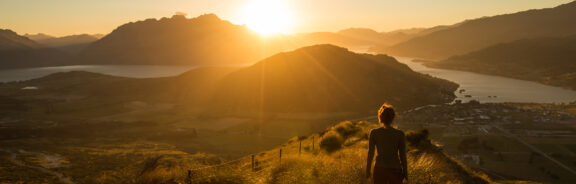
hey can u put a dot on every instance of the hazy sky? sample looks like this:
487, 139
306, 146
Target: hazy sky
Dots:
64, 17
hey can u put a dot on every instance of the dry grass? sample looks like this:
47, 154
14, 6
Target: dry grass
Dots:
345, 165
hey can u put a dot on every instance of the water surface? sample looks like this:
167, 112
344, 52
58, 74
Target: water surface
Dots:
488, 88
135, 71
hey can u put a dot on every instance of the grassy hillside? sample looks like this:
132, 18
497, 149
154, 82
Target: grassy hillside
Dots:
326, 78
547, 60
338, 156
480, 33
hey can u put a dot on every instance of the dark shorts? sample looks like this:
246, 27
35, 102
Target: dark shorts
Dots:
384, 175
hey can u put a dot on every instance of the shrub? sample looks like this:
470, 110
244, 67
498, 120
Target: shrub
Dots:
418, 139
331, 142
347, 129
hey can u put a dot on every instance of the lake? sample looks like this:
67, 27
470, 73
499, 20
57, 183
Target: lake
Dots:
135, 71
484, 88
488, 88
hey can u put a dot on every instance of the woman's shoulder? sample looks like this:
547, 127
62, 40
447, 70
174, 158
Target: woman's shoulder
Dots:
398, 131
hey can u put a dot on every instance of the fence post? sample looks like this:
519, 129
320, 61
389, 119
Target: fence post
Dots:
312, 143
300, 148
280, 155
189, 176
252, 162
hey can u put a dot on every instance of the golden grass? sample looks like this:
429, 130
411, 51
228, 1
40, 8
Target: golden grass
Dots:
345, 165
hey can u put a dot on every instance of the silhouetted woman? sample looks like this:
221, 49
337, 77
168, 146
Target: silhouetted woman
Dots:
390, 167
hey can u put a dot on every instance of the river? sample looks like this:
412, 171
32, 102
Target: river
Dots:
488, 88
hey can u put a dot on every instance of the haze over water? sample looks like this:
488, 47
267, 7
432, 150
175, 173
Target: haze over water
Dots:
134, 71
501, 89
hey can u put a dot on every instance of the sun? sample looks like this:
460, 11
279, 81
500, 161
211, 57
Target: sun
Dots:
267, 17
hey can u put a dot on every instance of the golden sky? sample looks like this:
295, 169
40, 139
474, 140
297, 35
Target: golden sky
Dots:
65, 17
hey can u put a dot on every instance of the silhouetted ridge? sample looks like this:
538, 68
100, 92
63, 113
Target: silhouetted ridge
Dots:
546, 60
326, 78
480, 33
72, 43
10, 40
205, 40
18, 51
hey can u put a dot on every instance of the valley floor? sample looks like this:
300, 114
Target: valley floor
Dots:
490, 138
507, 141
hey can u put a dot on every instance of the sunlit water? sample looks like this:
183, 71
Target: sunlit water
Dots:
484, 88
487, 88
135, 71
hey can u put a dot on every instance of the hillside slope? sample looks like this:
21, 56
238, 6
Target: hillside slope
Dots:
338, 156
204, 40
547, 60
326, 78
209, 40
316, 79
479, 33
18, 51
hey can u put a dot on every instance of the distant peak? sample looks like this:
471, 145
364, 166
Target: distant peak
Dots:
323, 47
573, 3
8, 31
364, 30
209, 16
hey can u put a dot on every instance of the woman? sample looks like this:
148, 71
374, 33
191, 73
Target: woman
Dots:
391, 166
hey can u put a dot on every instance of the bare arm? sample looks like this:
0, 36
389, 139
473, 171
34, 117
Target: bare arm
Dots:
402, 154
371, 146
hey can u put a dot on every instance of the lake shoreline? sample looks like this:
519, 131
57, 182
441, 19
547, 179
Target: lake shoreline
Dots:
494, 89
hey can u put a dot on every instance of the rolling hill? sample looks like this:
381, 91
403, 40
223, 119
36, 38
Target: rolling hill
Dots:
547, 60
315, 79
327, 78
472, 35
339, 156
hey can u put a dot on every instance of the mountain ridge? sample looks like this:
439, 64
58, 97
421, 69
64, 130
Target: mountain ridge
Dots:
547, 60
18, 51
479, 33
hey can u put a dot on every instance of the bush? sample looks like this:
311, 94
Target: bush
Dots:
418, 139
347, 129
331, 142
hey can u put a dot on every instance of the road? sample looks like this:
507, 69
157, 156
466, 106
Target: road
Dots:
536, 150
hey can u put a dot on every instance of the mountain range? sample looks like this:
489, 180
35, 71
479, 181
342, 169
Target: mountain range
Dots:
472, 35
182, 41
18, 51
550, 60
72, 43
315, 79
202, 40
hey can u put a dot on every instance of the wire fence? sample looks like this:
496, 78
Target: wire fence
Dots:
263, 161
257, 163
